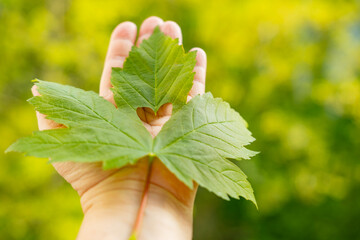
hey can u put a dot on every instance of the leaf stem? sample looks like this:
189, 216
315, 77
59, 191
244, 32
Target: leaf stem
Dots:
144, 199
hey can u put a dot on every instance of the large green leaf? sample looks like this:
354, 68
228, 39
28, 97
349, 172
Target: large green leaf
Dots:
157, 72
96, 130
200, 137
196, 144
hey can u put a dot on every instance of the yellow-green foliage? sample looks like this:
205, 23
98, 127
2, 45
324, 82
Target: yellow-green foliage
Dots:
291, 68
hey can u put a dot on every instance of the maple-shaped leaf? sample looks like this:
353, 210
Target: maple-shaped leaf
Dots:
196, 144
96, 130
156, 73
201, 137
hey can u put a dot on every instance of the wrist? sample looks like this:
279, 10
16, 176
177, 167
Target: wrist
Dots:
113, 207
110, 210
165, 217
113, 214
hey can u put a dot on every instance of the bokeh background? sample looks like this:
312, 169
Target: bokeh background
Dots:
291, 68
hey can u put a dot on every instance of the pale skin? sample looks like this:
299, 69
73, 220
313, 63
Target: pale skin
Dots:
148, 202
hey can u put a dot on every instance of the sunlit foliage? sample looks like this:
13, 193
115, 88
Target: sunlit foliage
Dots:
291, 68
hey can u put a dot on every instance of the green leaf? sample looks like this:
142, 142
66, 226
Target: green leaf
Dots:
196, 144
199, 138
156, 73
96, 130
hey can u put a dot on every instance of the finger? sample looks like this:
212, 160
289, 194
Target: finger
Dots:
43, 123
172, 29
200, 73
122, 39
147, 28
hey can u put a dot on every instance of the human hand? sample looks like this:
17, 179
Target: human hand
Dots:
145, 199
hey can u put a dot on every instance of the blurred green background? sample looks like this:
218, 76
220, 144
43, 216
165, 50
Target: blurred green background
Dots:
291, 68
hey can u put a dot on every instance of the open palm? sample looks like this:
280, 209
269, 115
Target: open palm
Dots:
145, 199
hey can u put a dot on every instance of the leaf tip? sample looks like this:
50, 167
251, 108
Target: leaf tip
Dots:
9, 149
14, 147
251, 198
157, 30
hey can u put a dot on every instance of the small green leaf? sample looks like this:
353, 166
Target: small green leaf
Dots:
157, 72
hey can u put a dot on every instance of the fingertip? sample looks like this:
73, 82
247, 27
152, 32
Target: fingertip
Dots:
172, 29
147, 28
201, 59
125, 30
148, 25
